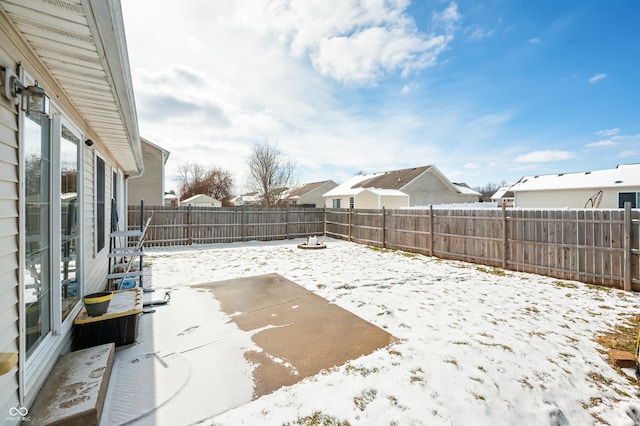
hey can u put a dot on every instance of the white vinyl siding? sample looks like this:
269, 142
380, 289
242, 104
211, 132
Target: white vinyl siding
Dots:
96, 264
569, 198
9, 265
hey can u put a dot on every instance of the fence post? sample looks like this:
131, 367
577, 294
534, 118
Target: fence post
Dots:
505, 240
384, 243
430, 230
242, 236
627, 246
189, 239
324, 220
350, 210
286, 221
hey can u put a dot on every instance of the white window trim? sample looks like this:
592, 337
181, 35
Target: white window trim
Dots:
31, 371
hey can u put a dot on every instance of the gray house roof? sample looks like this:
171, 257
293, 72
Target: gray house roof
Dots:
395, 179
305, 189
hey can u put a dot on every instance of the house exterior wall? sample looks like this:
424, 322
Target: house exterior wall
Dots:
371, 200
96, 261
366, 200
315, 197
393, 202
570, 198
430, 189
150, 186
344, 201
21, 384
9, 255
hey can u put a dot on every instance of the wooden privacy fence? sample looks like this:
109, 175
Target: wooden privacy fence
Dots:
592, 246
176, 226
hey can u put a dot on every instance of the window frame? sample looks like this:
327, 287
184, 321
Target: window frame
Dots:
634, 203
100, 189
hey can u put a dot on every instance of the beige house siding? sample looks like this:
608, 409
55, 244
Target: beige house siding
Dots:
344, 202
315, 196
9, 283
392, 202
150, 186
431, 189
370, 200
569, 198
366, 200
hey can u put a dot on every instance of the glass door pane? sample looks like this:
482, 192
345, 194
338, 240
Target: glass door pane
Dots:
70, 231
37, 232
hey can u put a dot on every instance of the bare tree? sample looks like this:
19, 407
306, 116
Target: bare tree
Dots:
489, 189
270, 173
196, 179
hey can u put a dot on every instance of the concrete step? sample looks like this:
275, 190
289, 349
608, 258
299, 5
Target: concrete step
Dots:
74, 392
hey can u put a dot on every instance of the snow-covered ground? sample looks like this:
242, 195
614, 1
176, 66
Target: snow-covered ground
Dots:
477, 345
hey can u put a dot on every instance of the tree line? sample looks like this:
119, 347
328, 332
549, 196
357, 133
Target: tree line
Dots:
270, 174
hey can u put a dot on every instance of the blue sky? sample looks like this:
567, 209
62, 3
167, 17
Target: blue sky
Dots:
487, 91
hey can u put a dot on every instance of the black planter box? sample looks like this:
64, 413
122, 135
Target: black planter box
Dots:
118, 325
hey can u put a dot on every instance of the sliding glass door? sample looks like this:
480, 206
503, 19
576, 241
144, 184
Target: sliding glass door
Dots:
37, 178
69, 223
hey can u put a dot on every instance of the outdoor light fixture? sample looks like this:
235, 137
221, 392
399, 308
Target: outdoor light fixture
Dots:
88, 142
10, 84
34, 99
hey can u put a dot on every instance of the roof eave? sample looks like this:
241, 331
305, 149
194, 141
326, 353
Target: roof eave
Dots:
104, 18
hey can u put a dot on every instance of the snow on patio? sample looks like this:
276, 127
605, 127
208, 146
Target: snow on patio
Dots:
476, 346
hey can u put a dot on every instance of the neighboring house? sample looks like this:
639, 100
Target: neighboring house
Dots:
150, 186
418, 186
608, 188
60, 168
201, 200
171, 199
248, 199
503, 197
309, 194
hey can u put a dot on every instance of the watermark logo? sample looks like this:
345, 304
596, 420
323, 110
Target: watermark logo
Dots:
19, 414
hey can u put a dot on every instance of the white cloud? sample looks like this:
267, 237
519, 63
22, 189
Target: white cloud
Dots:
472, 165
534, 40
615, 139
628, 154
355, 42
608, 132
597, 77
250, 72
545, 156
448, 17
607, 142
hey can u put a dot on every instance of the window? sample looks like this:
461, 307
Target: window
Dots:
69, 224
37, 208
632, 197
352, 203
100, 206
336, 203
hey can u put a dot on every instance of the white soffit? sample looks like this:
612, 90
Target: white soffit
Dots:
82, 45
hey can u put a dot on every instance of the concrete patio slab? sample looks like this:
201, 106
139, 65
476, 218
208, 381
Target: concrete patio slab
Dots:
299, 332
228, 343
